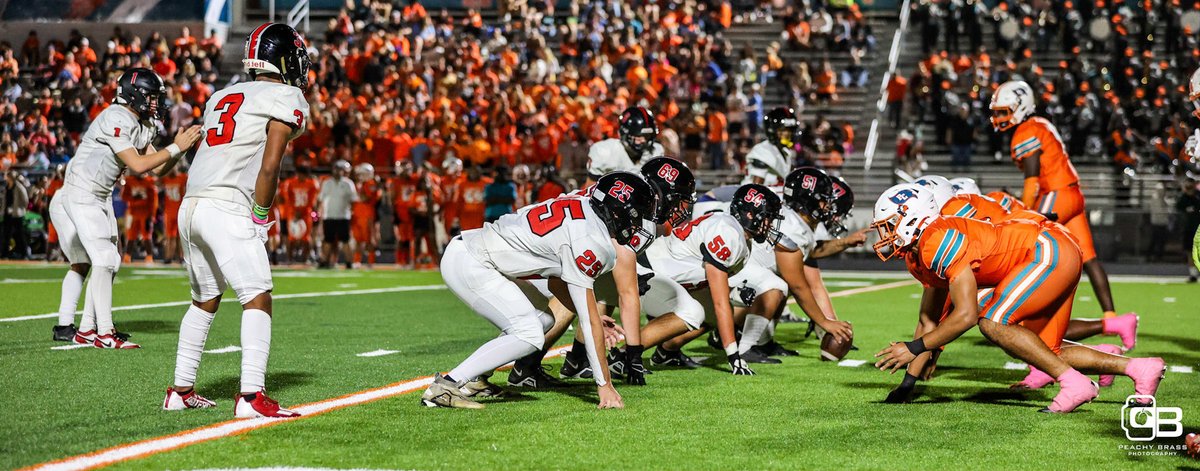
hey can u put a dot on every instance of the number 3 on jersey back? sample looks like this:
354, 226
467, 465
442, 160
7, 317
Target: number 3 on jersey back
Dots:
227, 108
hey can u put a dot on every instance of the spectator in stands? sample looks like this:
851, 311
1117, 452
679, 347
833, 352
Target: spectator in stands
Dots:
15, 203
717, 135
336, 197
499, 196
897, 87
961, 137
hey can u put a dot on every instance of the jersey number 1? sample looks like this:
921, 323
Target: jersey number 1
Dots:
226, 109
547, 217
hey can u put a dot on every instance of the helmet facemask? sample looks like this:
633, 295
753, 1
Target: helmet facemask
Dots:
1002, 118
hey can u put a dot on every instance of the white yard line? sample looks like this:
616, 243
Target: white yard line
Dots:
377, 353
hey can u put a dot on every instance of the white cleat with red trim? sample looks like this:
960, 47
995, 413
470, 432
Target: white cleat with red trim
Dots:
85, 337
260, 406
112, 342
189, 400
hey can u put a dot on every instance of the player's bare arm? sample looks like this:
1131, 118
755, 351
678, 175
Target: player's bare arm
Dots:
138, 163
278, 134
718, 286
593, 337
791, 267
837, 246
963, 292
1032, 167
628, 290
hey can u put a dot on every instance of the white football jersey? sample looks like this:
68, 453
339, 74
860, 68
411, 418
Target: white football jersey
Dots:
714, 238
235, 134
609, 155
822, 233
765, 161
797, 235
95, 166
562, 237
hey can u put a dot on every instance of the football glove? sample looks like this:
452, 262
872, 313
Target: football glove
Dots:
635, 372
746, 294
644, 283
263, 231
739, 366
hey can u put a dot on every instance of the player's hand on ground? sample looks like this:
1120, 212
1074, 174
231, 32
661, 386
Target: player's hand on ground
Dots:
894, 357
739, 366
610, 398
186, 138
841, 330
930, 366
635, 372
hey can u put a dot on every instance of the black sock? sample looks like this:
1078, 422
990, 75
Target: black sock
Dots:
634, 352
249, 397
578, 351
909, 381
528, 362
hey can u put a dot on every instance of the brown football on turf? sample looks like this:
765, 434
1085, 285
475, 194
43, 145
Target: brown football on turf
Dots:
832, 349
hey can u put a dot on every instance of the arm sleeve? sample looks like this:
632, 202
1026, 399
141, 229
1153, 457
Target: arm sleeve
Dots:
116, 132
579, 298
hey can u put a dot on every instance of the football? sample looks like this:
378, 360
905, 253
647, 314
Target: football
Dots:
1193, 445
832, 349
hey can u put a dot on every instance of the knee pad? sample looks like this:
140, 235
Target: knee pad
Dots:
529, 330
691, 312
106, 261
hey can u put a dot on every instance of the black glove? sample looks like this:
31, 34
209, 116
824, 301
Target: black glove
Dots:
746, 294
635, 372
1052, 216
644, 283
739, 366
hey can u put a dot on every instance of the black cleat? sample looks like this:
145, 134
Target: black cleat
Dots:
536, 378
789, 318
575, 369
774, 349
755, 355
714, 341
616, 363
122, 336
664, 357
64, 333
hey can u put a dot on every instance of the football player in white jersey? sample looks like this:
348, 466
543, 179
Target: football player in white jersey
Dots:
569, 241
692, 268
636, 145
118, 139
769, 161
224, 217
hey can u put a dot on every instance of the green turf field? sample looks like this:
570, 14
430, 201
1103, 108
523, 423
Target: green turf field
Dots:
801, 414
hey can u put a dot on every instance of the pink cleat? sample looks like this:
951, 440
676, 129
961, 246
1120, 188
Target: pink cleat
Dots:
1124, 326
1036, 379
1146, 373
1107, 380
1075, 390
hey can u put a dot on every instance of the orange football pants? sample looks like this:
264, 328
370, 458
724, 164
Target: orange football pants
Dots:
1068, 204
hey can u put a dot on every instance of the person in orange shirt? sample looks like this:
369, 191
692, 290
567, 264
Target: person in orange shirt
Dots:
52, 187
717, 136
401, 189
363, 222
141, 194
452, 180
424, 205
1051, 183
300, 195
471, 205
1033, 269
173, 187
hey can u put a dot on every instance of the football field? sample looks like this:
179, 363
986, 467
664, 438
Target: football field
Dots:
353, 349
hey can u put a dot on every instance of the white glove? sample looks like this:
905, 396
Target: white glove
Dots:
262, 231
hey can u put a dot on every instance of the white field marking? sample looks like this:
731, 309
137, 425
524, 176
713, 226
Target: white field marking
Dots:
159, 272
1181, 369
1168, 299
851, 363
14, 281
394, 289
377, 353
1085, 298
290, 468
229, 349
915, 296
847, 284
348, 285
72, 346
224, 429
1008, 365
153, 446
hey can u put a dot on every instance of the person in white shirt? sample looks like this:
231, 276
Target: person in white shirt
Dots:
335, 202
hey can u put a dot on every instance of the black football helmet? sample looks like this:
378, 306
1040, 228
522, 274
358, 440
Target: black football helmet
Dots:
676, 189
627, 204
781, 127
278, 49
142, 90
757, 208
809, 190
637, 122
843, 203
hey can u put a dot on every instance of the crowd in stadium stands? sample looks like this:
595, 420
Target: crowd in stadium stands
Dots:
445, 122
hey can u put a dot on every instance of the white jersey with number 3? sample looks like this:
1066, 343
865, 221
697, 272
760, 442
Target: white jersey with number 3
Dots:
562, 238
95, 167
235, 135
714, 238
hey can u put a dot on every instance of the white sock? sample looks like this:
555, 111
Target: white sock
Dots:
72, 287
256, 347
87, 322
494, 354
769, 336
752, 331
100, 289
193, 331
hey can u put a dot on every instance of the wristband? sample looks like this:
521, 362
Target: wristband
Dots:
259, 214
731, 351
916, 347
174, 150
909, 381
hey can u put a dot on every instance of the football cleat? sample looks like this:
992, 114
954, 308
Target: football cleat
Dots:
1124, 326
664, 357
260, 406
112, 342
774, 349
481, 387
789, 318
85, 337
1075, 390
536, 378
575, 369
1146, 373
445, 393
1036, 379
190, 400
755, 355
64, 333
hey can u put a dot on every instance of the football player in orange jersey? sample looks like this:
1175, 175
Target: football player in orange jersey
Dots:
470, 199
401, 189
141, 193
173, 186
52, 187
1033, 268
452, 179
364, 225
300, 196
1051, 183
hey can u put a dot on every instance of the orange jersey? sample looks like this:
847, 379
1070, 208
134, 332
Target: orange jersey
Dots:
141, 194
53, 187
300, 196
470, 203
1009, 202
369, 194
951, 245
983, 208
403, 188
173, 188
451, 186
1038, 134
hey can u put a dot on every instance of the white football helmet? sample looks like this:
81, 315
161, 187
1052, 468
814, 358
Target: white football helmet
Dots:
901, 213
1011, 105
342, 166
965, 186
942, 189
364, 172
1194, 93
452, 165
